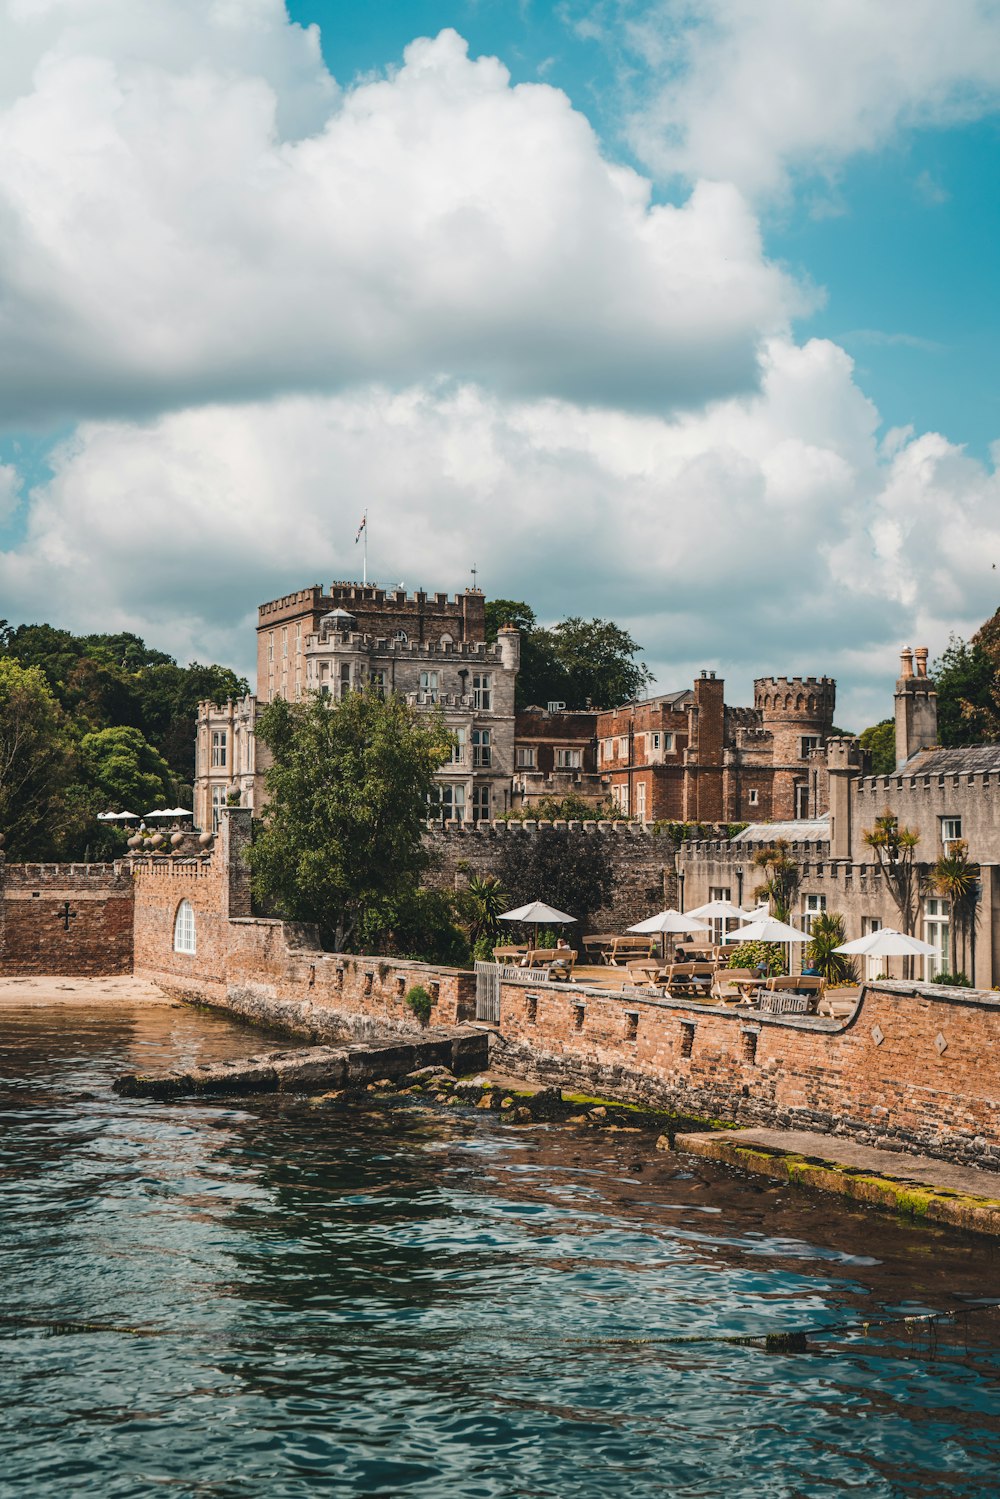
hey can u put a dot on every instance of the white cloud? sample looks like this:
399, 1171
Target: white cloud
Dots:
766, 533
10, 491
750, 91
190, 210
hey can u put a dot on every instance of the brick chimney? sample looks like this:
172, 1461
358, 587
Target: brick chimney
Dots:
916, 706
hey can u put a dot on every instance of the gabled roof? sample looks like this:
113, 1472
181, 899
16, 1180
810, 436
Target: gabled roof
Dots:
806, 830
969, 759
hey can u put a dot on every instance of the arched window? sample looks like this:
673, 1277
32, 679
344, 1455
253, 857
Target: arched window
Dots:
184, 928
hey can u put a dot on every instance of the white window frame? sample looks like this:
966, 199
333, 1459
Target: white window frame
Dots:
640, 800
812, 905
619, 795
218, 802
482, 749
801, 800
220, 749
527, 757
482, 692
459, 747
720, 923
753, 798
951, 831
937, 930
429, 686
481, 802
655, 742
568, 759
185, 937
623, 746
873, 966
808, 743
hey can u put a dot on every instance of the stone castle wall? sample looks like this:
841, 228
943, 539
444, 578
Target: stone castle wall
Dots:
72, 920
642, 861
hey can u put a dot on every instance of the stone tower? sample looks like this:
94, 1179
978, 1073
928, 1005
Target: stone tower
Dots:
916, 706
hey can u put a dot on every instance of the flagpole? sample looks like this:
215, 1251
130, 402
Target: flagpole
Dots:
364, 575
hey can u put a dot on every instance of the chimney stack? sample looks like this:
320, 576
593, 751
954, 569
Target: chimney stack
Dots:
916, 706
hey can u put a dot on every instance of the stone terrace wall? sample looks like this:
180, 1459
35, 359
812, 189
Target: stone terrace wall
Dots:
910, 1070
36, 937
642, 861
273, 972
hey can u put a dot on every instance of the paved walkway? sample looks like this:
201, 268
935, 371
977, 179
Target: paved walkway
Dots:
119, 991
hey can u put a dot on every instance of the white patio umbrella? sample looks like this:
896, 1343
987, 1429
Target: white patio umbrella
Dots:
535, 914
719, 908
888, 943
767, 929
672, 923
118, 817
170, 812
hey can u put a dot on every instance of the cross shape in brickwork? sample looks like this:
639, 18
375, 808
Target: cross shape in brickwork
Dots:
68, 915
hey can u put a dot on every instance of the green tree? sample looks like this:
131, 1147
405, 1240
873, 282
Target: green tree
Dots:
880, 742
37, 761
348, 791
570, 807
826, 933
126, 771
966, 679
956, 877
581, 662
782, 878
481, 904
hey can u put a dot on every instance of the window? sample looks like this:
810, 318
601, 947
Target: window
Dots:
218, 746
399, 636
218, 802
654, 741
284, 642
567, 759
429, 686
298, 640
345, 678
270, 646
447, 802
458, 748
619, 795
951, 830
482, 691
720, 923
753, 797
801, 799
668, 744
623, 748
812, 905
481, 803
376, 683
608, 749
482, 749
526, 757
184, 928
936, 931
809, 743
640, 801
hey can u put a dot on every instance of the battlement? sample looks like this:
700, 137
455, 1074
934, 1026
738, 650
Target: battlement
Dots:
470, 650
302, 599
797, 697
531, 827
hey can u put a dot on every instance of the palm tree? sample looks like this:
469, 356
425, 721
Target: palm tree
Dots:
827, 932
483, 901
783, 878
957, 878
894, 849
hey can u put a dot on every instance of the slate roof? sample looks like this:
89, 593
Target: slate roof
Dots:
971, 759
807, 830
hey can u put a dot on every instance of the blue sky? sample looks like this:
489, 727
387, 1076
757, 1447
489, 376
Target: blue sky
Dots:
705, 315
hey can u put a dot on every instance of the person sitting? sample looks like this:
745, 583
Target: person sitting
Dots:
810, 971
560, 965
761, 970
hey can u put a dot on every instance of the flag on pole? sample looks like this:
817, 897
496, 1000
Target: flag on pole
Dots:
364, 522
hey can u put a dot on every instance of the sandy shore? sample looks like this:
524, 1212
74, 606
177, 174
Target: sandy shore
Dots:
112, 992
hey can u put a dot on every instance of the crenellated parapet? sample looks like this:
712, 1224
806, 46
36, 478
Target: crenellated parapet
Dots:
809, 699
530, 827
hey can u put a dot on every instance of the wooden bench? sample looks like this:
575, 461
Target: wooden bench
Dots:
623, 948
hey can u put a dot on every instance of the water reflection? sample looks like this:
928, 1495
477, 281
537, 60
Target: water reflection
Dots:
396, 1299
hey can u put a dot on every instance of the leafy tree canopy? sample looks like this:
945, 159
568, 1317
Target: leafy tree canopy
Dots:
128, 773
967, 678
340, 839
880, 742
36, 764
567, 869
581, 662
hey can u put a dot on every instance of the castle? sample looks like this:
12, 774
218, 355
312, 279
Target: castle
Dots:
684, 756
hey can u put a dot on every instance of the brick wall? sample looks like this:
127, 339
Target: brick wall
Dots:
73, 920
272, 970
882, 1077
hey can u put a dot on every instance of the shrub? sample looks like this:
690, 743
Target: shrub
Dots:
828, 933
752, 954
420, 1003
956, 980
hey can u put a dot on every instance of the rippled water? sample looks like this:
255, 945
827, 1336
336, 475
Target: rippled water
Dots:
287, 1298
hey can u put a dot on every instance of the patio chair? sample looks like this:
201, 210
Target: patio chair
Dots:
730, 984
